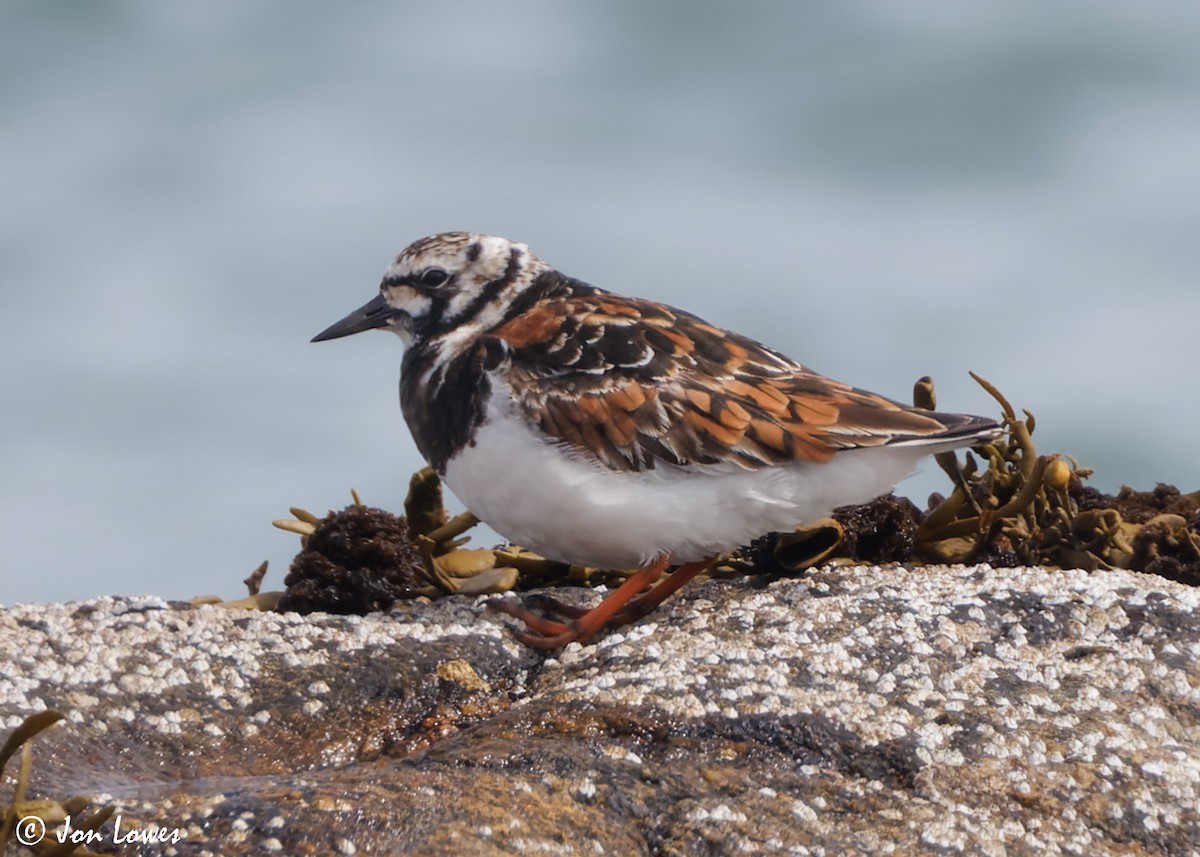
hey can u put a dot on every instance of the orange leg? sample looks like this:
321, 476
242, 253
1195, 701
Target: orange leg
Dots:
643, 606
620, 608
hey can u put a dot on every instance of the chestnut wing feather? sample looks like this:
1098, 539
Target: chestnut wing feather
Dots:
633, 383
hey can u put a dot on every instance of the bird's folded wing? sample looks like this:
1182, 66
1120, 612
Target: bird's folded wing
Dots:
634, 383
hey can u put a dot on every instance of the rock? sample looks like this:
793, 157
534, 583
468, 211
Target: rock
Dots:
852, 711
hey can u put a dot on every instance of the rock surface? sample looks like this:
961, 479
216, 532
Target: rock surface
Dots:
853, 711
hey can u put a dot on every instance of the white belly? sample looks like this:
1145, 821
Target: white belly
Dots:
555, 502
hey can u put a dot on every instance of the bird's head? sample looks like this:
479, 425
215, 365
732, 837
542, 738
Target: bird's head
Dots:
452, 281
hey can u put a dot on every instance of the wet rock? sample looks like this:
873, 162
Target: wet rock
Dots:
851, 711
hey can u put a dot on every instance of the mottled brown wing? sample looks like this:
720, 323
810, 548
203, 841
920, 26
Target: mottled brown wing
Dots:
634, 383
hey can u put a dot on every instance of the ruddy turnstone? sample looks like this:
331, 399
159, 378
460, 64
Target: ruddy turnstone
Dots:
617, 432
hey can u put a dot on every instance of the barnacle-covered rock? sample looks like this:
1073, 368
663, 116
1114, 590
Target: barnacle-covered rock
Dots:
853, 711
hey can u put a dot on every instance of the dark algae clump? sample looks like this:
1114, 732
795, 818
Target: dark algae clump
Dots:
357, 560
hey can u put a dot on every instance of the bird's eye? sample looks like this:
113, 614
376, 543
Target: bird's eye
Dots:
434, 277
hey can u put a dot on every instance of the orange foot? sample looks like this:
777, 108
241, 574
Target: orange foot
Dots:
577, 624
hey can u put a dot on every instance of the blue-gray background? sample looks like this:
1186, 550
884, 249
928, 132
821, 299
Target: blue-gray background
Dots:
192, 190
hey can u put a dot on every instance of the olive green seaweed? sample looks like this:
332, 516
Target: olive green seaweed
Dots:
50, 811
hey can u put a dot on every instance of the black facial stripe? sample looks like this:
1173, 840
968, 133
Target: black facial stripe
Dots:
438, 302
473, 251
488, 293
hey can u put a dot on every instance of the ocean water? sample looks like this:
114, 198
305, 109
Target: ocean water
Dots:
189, 192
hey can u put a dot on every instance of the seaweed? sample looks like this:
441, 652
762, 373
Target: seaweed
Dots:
30, 822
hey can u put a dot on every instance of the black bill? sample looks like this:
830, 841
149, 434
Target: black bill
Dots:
374, 314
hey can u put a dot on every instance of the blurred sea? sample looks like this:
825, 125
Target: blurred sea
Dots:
189, 192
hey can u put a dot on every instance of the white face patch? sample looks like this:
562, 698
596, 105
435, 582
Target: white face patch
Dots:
407, 299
